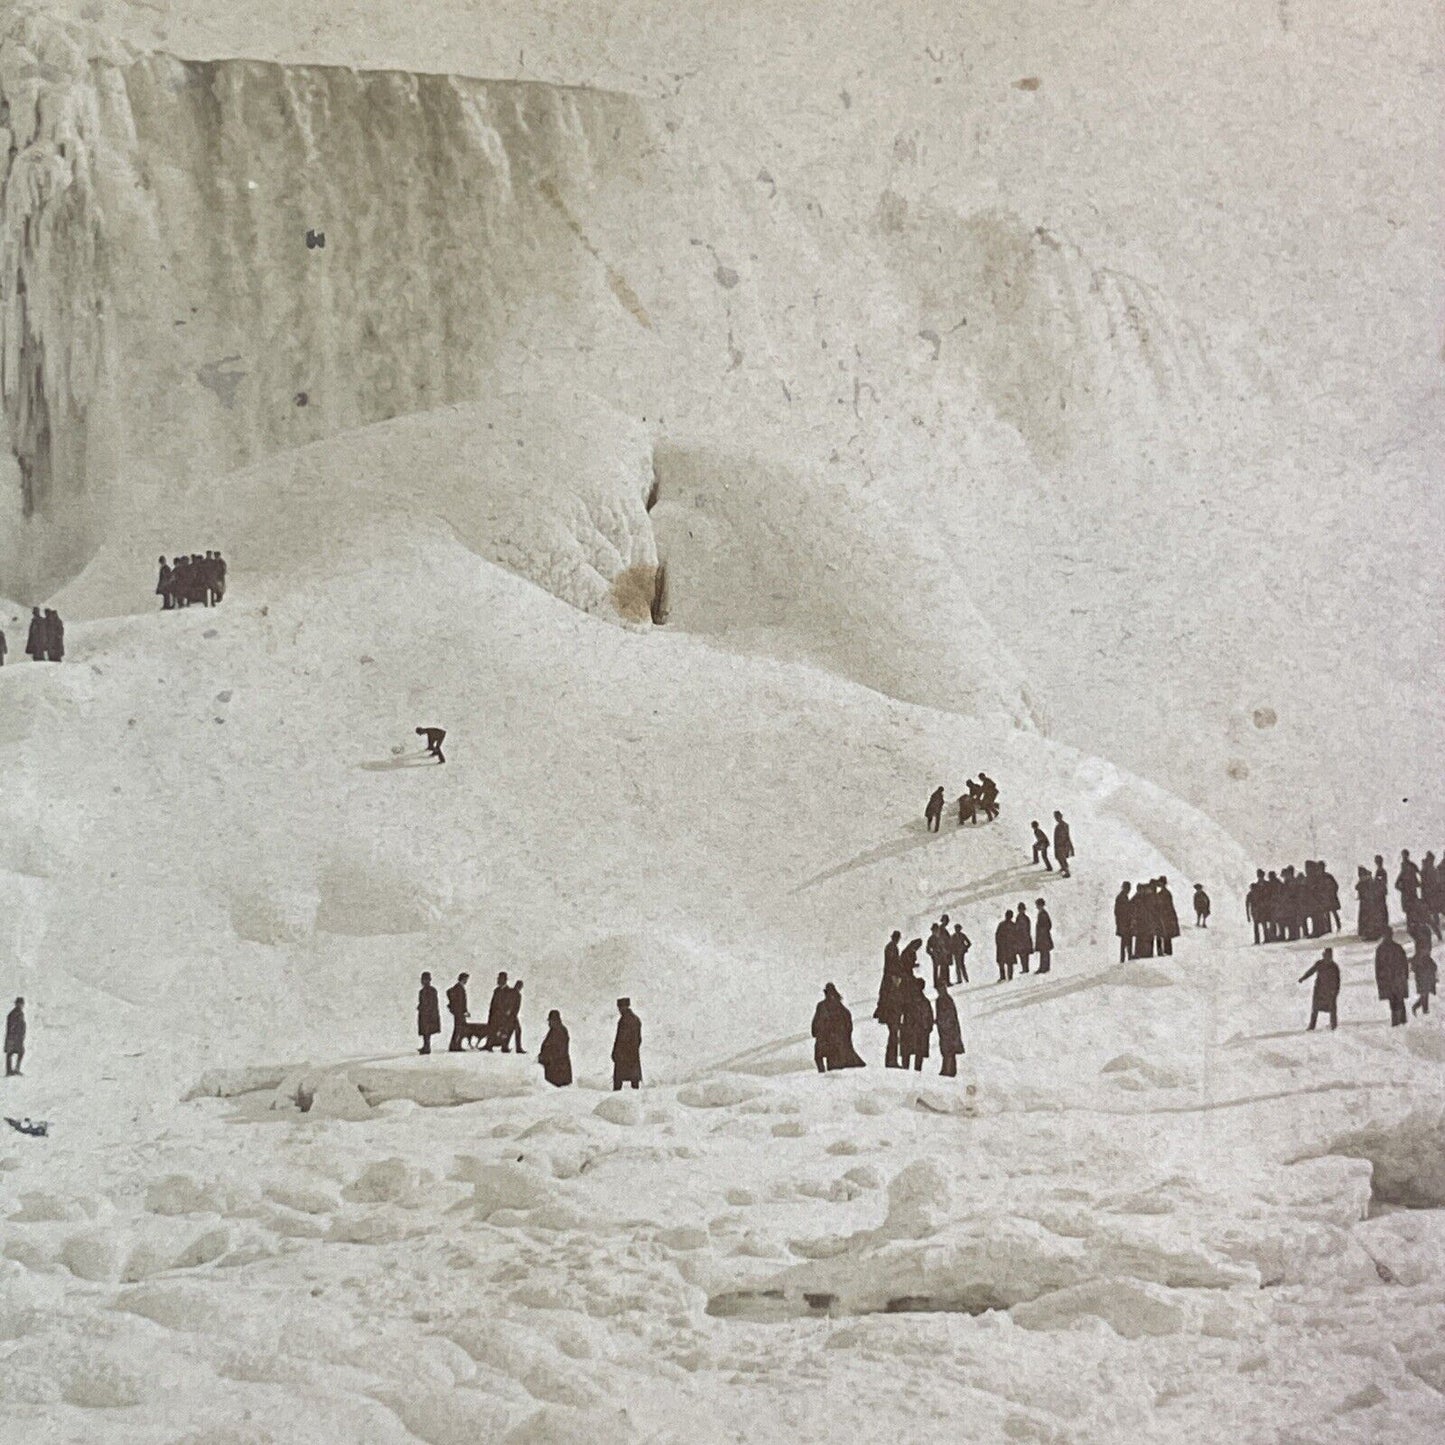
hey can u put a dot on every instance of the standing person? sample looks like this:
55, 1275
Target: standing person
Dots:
1063, 843
163, 586
1372, 920
428, 1014
1124, 922
512, 1019
54, 636
893, 1006
1041, 845
1003, 944
959, 945
1426, 974
434, 739
950, 1035
1392, 977
627, 1047
1144, 917
1430, 891
833, 1033
35, 638
1201, 906
1382, 887
555, 1055
1043, 936
938, 953
220, 577
1331, 886
890, 952
1407, 882
1254, 904
1168, 918
1023, 936
933, 813
1326, 974
4, 648
917, 1026
457, 1008
497, 1029
15, 1038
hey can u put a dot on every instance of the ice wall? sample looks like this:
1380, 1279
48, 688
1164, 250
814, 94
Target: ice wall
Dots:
163, 315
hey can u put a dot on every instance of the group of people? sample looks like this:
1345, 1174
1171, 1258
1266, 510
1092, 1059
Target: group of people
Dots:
503, 1028
1146, 922
1063, 842
978, 800
903, 1009
1289, 904
45, 642
195, 581
1393, 969
1421, 887
1019, 938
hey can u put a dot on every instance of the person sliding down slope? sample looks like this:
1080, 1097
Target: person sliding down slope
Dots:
434, 739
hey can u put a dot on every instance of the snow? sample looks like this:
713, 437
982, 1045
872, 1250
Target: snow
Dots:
1151, 1208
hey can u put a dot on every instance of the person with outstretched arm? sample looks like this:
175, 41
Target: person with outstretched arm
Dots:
1326, 974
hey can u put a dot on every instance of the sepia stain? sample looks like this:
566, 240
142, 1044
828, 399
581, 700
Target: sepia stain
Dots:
1238, 770
633, 592
616, 282
222, 377
1265, 717
1029, 82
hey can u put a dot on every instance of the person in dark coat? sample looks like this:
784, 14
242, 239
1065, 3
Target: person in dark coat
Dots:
933, 813
890, 951
1201, 906
1382, 887
833, 1033
15, 1038
917, 1026
428, 1014
54, 636
1004, 948
4, 648
434, 738
890, 1004
163, 586
1431, 892
1063, 844
35, 638
1392, 977
1041, 845
1372, 921
555, 1055
1124, 922
1168, 918
1326, 974
1023, 936
959, 944
1043, 936
988, 795
512, 1019
1407, 882
1426, 975
938, 953
497, 1029
627, 1047
950, 1035
457, 1008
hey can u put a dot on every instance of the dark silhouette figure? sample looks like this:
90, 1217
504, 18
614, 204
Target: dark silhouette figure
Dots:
933, 813
1407, 882
1326, 974
1392, 977
833, 1033
15, 1038
555, 1055
890, 952
457, 1008
4, 648
959, 945
627, 1047
940, 953
428, 1014
35, 638
1043, 936
987, 795
1426, 977
1432, 891
1063, 843
497, 1029
891, 997
512, 1019
1041, 846
1372, 917
1254, 904
1168, 917
163, 586
1201, 906
1382, 886
434, 738
1124, 922
917, 1026
1004, 947
1023, 936
54, 636
950, 1035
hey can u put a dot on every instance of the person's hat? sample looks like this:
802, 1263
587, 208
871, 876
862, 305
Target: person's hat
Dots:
624, 1003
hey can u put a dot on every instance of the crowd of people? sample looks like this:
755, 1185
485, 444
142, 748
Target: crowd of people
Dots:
503, 1029
1421, 887
1146, 922
45, 640
978, 800
1019, 938
195, 581
1288, 904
